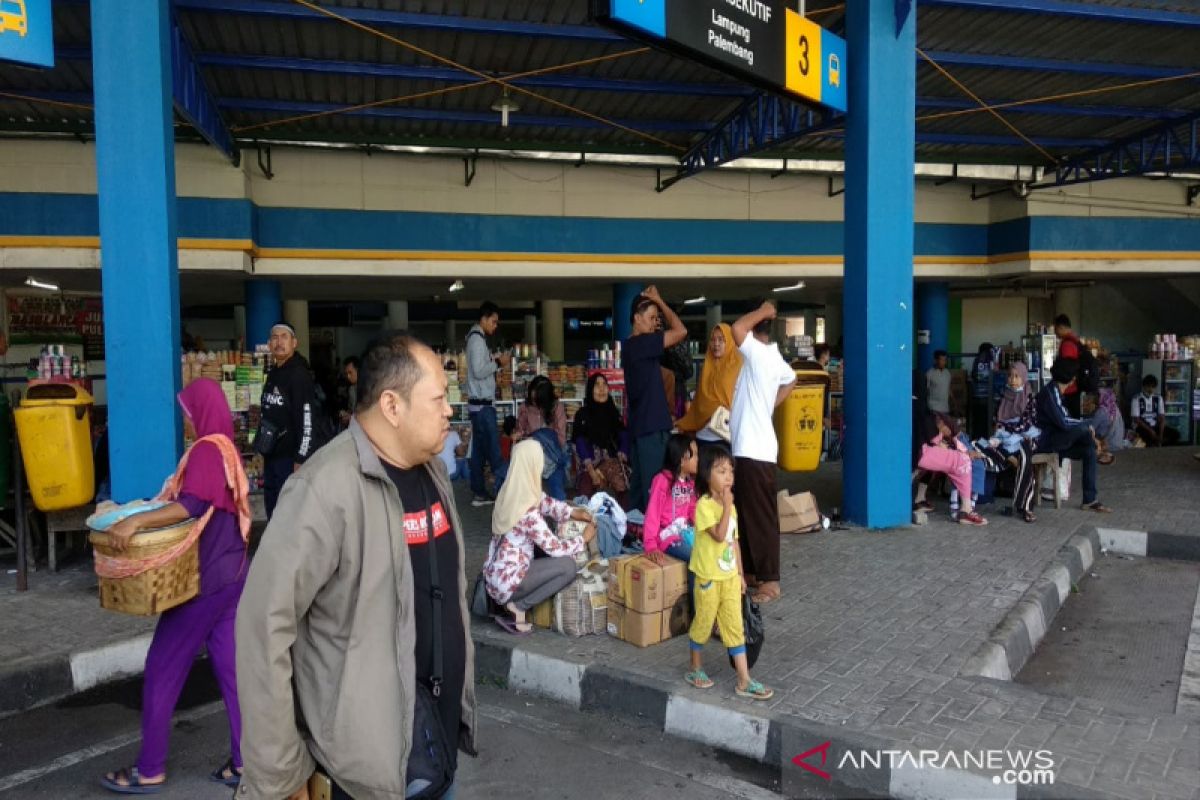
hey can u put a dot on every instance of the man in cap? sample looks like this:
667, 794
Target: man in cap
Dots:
289, 408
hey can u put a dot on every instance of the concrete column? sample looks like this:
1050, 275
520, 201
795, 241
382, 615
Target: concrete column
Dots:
296, 313
880, 135
1069, 301
239, 325
933, 317
397, 315
450, 334
712, 318
810, 323
623, 297
135, 169
264, 307
553, 330
531, 328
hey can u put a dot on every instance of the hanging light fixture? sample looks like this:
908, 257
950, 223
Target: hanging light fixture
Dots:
36, 284
505, 105
457, 286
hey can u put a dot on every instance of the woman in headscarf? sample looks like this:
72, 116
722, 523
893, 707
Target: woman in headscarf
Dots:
718, 376
1017, 434
544, 418
513, 577
600, 442
209, 486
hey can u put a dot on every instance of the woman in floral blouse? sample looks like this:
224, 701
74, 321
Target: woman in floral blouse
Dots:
514, 578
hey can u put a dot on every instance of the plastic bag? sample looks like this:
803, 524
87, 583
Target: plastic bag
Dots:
752, 627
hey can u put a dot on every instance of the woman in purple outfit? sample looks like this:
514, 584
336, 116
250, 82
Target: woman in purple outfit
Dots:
211, 479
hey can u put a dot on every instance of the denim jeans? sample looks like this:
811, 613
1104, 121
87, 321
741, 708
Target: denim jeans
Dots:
485, 446
340, 794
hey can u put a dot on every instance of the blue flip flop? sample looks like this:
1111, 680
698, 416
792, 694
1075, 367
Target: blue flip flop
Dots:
218, 775
133, 783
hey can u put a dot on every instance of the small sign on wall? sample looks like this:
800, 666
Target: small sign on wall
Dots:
27, 32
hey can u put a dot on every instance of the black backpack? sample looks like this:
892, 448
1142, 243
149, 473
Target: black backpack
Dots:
1089, 371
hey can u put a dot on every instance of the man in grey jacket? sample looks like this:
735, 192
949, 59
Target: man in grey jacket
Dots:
335, 627
481, 398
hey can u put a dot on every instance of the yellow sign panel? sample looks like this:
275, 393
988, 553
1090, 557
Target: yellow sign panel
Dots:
805, 65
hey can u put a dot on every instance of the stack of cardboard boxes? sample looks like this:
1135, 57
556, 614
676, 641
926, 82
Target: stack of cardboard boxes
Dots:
647, 604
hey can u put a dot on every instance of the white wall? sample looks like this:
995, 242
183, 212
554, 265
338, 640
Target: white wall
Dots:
998, 320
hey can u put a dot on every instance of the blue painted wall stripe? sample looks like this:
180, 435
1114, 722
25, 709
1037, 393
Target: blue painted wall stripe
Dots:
40, 214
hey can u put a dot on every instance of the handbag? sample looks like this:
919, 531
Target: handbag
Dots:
267, 438
718, 424
616, 478
429, 773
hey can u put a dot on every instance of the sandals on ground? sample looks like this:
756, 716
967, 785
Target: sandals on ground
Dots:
1105, 458
1097, 506
699, 679
1028, 517
127, 781
512, 626
227, 773
755, 691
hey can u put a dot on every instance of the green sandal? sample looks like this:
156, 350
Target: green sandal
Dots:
756, 691
699, 679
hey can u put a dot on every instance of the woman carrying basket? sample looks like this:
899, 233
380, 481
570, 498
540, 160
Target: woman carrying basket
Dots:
210, 486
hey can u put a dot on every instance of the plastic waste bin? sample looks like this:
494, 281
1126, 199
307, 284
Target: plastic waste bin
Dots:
800, 422
55, 432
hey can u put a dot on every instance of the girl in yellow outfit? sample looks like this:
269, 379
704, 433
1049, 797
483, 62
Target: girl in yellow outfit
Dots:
720, 584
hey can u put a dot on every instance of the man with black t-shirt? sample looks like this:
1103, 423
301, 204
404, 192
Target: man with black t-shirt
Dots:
357, 599
289, 405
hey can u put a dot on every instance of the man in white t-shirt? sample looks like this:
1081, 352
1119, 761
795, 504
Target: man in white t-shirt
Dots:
764, 382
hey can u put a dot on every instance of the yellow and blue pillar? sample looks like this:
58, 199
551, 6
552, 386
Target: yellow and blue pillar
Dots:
264, 307
880, 141
135, 165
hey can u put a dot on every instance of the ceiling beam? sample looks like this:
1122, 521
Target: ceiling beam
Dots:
192, 99
1122, 14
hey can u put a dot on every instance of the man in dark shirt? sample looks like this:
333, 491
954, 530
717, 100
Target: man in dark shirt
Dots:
649, 415
1069, 347
1068, 436
289, 406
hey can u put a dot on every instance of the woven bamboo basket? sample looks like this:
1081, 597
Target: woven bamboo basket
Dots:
156, 590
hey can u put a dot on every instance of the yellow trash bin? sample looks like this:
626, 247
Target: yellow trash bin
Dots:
55, 432
800, 422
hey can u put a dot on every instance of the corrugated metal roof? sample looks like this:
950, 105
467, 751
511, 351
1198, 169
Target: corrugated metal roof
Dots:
321, 65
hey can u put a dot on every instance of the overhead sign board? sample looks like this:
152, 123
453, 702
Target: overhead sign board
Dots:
27, 32
761, 41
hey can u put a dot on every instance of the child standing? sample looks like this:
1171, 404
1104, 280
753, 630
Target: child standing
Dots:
720, 582
672, 506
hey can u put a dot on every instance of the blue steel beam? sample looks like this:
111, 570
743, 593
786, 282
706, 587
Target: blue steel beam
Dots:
762, 126
1104, 13
1171, 147
589, 83
443, 22
985, 61
192, 99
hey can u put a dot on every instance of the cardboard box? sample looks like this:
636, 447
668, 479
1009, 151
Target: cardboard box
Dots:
798, 513
542, 615
640, 585
641, 630
676, 618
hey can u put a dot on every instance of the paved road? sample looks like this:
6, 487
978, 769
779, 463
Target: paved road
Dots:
59, 751
1123, 637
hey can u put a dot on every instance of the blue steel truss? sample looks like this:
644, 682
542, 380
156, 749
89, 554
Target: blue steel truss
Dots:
1168, 148
1078, 10
192, 99
759, 123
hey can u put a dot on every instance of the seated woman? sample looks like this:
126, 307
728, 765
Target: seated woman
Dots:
1016, 436
671, 510
945, 453
601, 443
718, 376
514, 578
544, 418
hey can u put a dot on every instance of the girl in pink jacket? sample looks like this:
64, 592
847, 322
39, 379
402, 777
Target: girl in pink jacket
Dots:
672, 506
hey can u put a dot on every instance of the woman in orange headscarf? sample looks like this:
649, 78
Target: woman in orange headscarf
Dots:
722, 363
